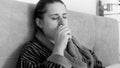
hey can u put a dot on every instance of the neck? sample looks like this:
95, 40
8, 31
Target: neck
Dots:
47, 42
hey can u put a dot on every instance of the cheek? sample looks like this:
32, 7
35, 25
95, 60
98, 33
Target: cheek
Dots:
50, 27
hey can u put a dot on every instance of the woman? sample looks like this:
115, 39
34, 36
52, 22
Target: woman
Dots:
54, 46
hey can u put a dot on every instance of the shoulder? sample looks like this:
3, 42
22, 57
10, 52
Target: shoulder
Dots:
34, 51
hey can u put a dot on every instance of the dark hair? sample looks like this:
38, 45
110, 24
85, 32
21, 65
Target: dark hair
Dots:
40, 9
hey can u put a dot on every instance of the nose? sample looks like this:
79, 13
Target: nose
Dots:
61, 21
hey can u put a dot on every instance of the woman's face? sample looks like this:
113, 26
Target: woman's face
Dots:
56, 15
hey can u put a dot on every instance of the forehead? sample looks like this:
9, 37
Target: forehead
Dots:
55, 8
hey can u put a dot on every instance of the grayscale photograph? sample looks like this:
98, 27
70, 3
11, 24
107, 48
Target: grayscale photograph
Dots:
59, 33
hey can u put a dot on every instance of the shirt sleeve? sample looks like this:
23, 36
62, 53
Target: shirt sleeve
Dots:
54, 61
30, 59
97, 62
58, 59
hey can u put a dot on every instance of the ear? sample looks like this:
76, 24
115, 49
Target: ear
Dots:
39, 23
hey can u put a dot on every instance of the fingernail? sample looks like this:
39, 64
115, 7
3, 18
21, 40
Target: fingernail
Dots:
61, 25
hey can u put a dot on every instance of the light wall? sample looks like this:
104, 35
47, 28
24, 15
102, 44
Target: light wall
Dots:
85, 6
109, 1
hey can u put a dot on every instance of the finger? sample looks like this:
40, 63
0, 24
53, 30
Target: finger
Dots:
62, 27
65, 31
68, 37
68, 32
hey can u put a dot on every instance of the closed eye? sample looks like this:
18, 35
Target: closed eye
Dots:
54, 18
65, 15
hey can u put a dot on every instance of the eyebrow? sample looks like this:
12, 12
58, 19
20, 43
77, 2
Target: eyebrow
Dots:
58, 14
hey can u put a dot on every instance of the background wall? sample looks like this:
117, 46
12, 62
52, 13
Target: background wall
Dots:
85, 6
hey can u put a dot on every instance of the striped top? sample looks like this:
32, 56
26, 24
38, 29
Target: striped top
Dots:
36, 55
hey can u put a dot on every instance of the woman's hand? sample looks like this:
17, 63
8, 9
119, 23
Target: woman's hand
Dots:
63, 34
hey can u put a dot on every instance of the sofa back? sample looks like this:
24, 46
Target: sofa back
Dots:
97, 33
15, 30
16, 27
